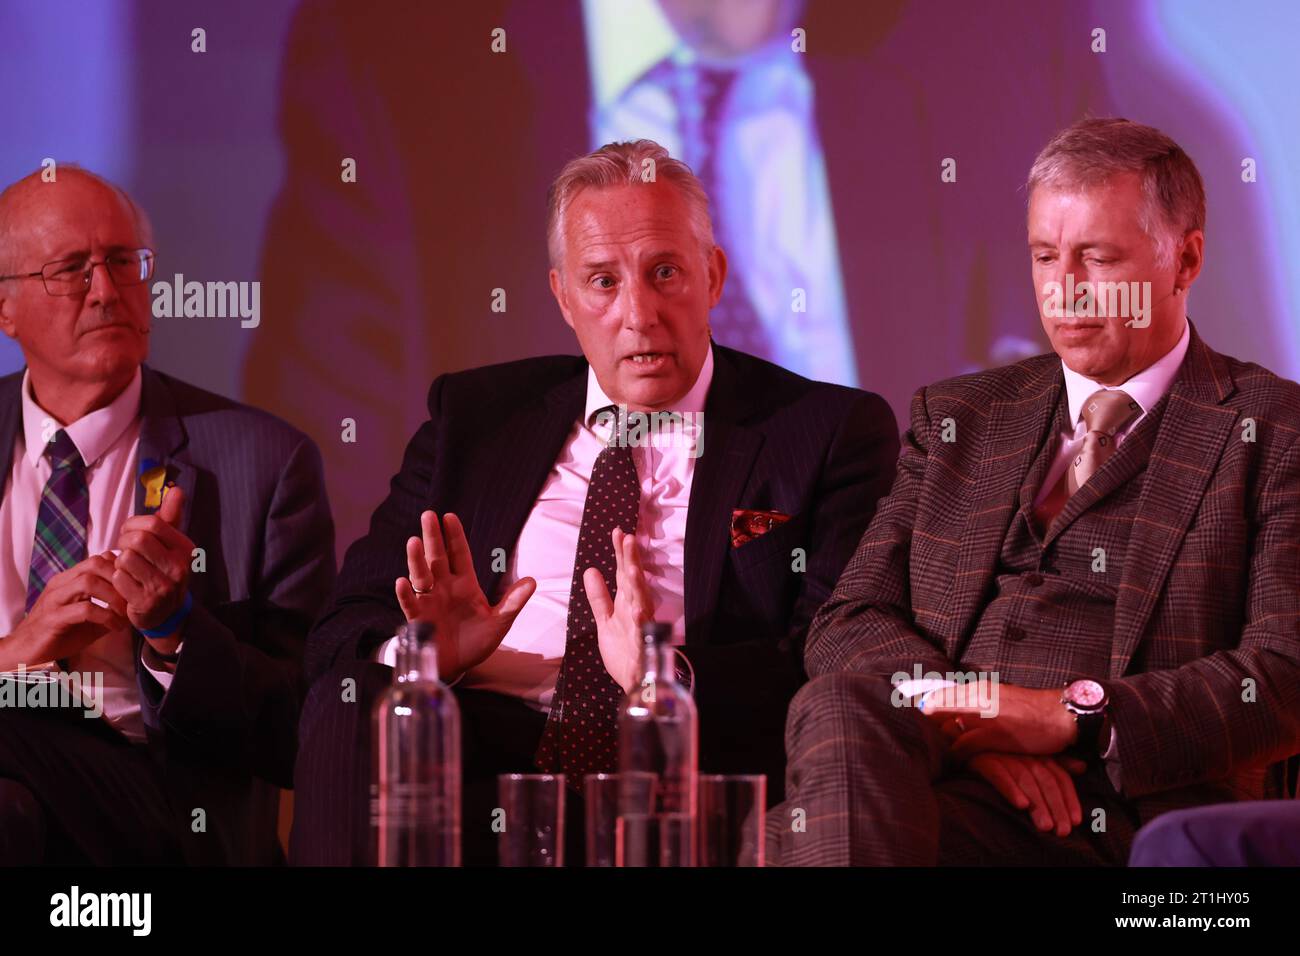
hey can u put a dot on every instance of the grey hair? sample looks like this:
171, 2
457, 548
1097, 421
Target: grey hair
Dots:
1093, 150
11, 224
624, 164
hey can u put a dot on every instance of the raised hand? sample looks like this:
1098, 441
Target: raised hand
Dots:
443, 590
618, 621
152, 570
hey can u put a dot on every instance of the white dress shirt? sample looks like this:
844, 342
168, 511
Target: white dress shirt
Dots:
108, 439
1146, 388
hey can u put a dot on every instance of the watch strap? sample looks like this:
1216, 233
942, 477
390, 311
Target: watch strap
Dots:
1089, 738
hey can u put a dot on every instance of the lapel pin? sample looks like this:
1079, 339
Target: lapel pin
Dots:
153, 476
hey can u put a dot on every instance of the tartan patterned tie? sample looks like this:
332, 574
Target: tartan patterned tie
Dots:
1105, 413
60, 540
581, 733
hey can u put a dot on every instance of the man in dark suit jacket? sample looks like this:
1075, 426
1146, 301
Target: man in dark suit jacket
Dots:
1118, 520
169, 541
787, 477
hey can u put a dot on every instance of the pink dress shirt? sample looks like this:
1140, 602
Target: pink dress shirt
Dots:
108, 439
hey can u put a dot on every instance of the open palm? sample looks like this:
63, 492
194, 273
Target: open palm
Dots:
443, 590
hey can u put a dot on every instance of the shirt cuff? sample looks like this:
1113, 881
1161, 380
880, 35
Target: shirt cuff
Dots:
1111, 758
162, 671
387, 652
387, 655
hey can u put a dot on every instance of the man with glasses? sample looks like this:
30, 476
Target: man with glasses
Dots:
73, 276
162, 553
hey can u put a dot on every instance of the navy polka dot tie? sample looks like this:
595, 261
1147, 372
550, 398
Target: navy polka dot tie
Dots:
581, 734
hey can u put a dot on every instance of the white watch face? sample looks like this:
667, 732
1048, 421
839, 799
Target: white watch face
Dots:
1085, 694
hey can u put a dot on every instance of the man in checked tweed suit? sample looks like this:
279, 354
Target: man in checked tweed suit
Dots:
1121, 517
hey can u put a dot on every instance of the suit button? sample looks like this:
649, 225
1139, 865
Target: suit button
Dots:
1033, 579
1016, 634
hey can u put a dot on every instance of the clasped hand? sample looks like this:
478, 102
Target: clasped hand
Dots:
143, 585
1018, 749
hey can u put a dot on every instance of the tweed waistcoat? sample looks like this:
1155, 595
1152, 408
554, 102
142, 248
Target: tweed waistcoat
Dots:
1065, 582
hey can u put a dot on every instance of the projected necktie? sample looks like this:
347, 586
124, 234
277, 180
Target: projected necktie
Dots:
60, 540
734, 320
581, 733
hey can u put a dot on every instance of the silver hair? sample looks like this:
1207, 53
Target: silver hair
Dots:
624, 164
10, 224
1093, 150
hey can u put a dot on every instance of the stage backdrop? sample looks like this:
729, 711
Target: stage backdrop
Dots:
371, 177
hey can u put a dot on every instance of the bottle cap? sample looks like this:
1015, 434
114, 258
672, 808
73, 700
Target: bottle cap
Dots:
416, 632
657, 632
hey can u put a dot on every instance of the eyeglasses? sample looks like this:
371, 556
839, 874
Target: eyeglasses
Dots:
73, 276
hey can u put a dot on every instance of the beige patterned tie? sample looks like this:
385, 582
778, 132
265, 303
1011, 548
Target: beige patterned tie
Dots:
1105, 413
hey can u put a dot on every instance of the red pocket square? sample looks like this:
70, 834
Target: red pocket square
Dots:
748, 525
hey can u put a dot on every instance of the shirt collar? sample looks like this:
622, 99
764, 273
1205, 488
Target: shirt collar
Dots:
633, 37
93, 434
692, 401
629, 39
1146, 387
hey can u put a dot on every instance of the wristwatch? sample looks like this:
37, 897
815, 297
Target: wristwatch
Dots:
1087, 700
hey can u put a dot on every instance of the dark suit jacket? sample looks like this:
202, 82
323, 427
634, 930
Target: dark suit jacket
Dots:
1209, 602
772, 440
225, 732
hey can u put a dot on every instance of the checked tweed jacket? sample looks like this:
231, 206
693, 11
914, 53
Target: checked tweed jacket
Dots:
1204, 660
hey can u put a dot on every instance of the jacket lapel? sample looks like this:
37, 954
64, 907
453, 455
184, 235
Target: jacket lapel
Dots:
528, 444
11, 414
1015, 433
163, 442
1042, 463
1125, 464
721, 472
1192, 434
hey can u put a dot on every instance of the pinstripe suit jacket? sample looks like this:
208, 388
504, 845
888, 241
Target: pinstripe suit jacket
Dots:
225, 732
823, 454
1204, 671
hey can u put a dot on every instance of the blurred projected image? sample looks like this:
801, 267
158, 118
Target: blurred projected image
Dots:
873, 233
